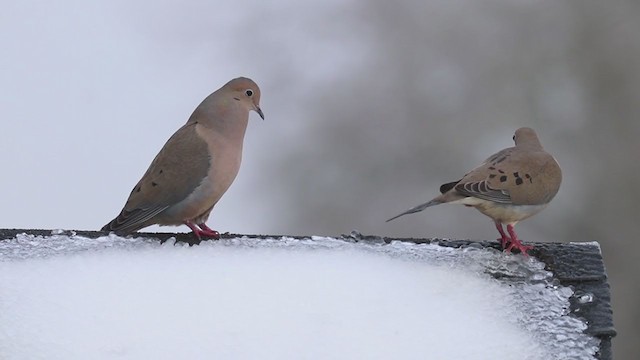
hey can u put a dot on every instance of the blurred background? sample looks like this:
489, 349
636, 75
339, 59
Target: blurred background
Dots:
370, 106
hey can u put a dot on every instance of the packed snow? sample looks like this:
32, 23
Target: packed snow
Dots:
71, 297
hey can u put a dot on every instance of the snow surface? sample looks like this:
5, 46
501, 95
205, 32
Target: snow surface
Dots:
70, 297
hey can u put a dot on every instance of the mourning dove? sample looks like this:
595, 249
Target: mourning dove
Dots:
195, 166
511, 185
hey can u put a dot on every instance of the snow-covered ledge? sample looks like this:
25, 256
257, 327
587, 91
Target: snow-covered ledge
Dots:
87, 294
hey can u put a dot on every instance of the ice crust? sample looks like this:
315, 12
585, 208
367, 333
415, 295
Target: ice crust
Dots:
72, 297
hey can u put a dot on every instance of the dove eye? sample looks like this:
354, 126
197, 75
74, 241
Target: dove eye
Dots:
249, 92
514, 138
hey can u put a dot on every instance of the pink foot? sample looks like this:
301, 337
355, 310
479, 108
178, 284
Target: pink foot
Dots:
516, 243
207, 231
504, 239
204, 232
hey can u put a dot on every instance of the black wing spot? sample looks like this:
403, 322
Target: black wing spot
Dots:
448, 186
503, 178
516, 174
529, 177
491, 176
500, 171
138, 189
161, 171
501, 159
519, 181
491, 168
153, 183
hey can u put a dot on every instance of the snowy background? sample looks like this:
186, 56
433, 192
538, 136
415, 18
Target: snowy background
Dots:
114, 298
369, 106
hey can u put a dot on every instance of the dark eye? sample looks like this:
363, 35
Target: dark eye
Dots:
249, 92
514, 138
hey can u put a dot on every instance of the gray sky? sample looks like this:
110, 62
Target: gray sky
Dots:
91, 91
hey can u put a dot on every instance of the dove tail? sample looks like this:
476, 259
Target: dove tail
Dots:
129, 221
418, 208
120, 228
113, 226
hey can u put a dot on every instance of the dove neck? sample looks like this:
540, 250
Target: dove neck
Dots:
530, 146
228, 119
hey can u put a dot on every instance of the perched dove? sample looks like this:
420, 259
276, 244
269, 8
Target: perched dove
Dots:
510, 186
195, 166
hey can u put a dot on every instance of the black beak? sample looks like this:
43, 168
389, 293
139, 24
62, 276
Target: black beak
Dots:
259, 111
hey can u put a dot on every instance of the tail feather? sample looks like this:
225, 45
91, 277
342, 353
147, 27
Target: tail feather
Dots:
418, 208
129, 221
112, 226
118, 228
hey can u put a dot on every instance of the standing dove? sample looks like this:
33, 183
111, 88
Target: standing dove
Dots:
511, 185
195, 166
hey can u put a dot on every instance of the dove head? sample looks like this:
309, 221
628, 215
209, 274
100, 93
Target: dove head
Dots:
527, 138
247, 92
227, 109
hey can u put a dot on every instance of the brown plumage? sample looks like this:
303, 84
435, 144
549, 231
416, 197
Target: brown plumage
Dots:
510, 186
196, 165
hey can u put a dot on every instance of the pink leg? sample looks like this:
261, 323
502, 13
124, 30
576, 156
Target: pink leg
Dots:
515, 242
194, 228
207, 231
504, 239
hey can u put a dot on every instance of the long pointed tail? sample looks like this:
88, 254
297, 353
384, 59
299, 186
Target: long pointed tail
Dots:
418, 208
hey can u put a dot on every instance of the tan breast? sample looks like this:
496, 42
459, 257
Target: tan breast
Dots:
226, 156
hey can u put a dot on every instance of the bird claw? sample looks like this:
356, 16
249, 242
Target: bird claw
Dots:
515, 242
518, 245
504, 241
208, 232
508, 244
211, 234
202, 230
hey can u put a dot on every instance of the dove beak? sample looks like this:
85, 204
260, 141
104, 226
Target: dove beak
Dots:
259, 111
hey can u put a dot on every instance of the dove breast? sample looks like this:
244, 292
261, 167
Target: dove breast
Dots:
225, 159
